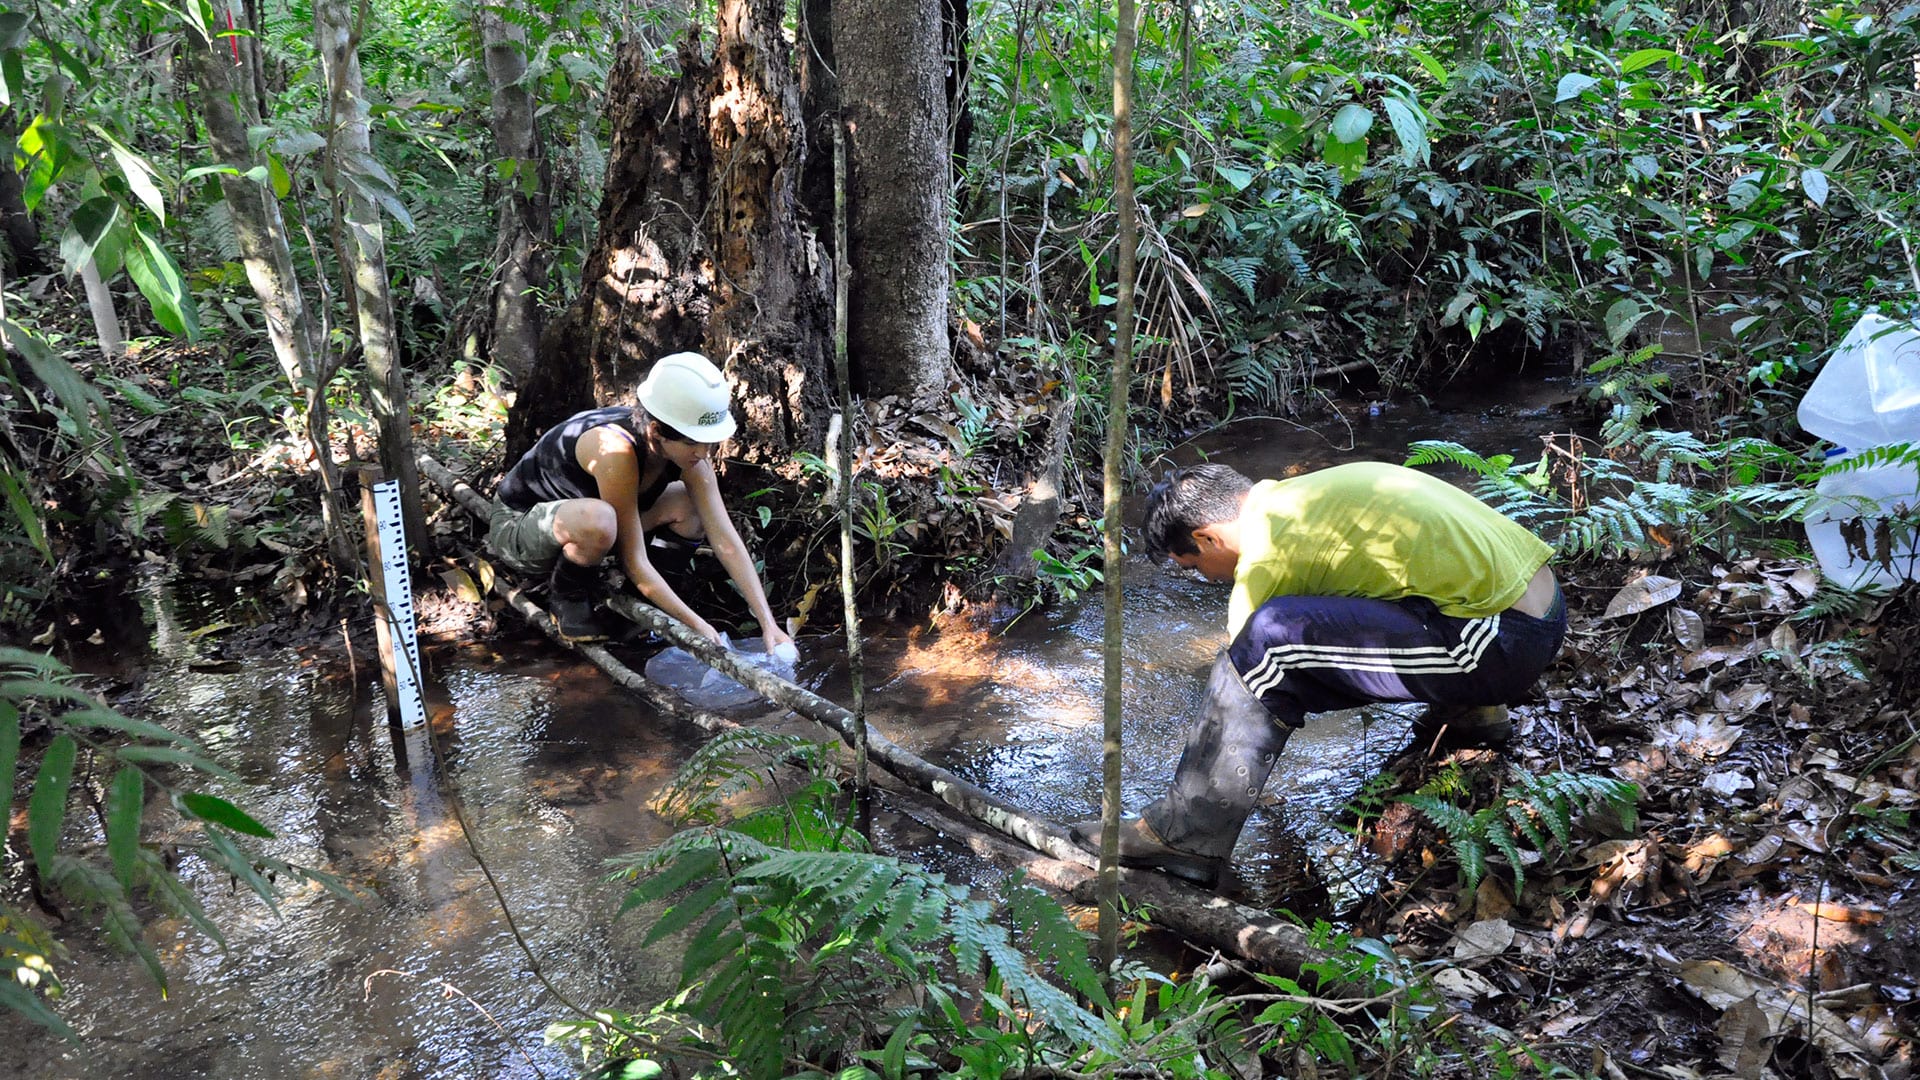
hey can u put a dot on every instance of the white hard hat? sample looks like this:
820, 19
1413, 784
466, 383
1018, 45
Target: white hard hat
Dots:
688, 394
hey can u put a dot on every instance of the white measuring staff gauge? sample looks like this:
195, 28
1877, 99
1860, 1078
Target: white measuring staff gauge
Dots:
396, 579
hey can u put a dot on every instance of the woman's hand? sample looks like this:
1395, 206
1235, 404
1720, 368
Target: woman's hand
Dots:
779, 643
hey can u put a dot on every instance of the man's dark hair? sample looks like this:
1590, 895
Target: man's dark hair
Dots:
1188, 499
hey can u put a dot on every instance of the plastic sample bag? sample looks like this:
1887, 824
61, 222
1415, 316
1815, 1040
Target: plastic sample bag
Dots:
710, 688
1861, 526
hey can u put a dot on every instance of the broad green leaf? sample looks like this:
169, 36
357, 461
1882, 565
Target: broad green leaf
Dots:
9, 747
1734, 235
25, 515
1352, 122
1410, 127
47, 806
212, 808
1234, 175
94, 716
209, 170
1814, 183
126, 801
161, 282
29, 660
1621, 318
18, 999
1426, 60
299, 142
77, 396
282, 183
221, 851
13, 76
18, 689
44, 142
13, 29
139, 174
92, 223
168, 755
70, 64
1572, 85
1645, 58
1349, 158
1893, 129
1665, 212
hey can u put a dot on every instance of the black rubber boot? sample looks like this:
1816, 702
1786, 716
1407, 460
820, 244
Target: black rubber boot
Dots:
1190, 831
571, 596
1451, 727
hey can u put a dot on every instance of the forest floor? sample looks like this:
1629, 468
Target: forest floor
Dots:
1762, 917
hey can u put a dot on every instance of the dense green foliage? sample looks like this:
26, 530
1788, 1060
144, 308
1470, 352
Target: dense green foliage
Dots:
1426, 185
803, 955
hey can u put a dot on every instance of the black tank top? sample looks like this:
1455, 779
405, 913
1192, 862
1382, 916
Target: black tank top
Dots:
551, 470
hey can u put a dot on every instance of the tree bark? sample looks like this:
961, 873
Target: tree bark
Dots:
526, 216
703, 245
1119, 395
362, 241
892, 84
227, 98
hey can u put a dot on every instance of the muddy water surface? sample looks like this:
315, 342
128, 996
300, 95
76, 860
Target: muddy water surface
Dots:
420, 977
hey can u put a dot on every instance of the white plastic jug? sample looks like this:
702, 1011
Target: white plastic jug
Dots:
1862, 526
1868, 394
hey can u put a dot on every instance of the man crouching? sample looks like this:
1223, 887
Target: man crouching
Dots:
1355, 584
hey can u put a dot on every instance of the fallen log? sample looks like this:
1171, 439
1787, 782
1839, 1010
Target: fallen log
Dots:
1211, 920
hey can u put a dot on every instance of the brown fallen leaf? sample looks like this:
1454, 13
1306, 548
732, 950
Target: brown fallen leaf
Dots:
1488, 937
1719, 654
1689, 629
1638, 596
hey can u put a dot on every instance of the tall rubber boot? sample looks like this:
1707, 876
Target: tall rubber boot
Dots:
1228, 757
1190, 831
571, 596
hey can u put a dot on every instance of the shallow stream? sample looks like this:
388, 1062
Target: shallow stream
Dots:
422, 977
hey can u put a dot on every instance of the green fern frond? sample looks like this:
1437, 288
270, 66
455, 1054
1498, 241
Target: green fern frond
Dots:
1440, 451
1243, 271
730, 763
1523, 807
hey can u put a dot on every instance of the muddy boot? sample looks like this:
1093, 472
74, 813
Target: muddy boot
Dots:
1190, 831
1454, 727
1139, 847
571, 597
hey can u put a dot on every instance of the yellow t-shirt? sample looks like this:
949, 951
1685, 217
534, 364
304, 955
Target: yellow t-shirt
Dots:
1382, 531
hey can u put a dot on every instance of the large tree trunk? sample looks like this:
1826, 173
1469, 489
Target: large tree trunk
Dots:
230, 112
362, 242
703, 245
526, 217
893, 92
